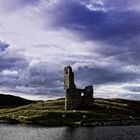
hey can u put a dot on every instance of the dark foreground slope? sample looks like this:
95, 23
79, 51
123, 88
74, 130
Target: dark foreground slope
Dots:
53, 113
13, 101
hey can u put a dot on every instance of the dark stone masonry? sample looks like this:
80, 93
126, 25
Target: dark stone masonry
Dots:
76, 98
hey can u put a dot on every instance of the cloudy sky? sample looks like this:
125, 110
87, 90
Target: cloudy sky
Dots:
100, 39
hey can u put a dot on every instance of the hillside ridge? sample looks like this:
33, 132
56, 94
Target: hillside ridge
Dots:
53, 113
13, 101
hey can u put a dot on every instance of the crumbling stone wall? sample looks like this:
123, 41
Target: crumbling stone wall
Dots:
76, 98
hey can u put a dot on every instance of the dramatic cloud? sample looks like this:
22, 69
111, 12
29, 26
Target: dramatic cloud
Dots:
105, 75
12, 65
3, 46
9, 6
99, 38
95, 24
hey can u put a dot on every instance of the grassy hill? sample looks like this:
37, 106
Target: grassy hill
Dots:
52, 112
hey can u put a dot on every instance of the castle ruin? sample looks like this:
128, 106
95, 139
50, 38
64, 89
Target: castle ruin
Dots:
76, 98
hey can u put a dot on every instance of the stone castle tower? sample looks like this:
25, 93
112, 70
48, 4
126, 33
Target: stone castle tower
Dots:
76, 98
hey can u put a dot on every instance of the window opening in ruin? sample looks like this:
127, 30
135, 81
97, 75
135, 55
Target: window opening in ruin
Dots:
82, 94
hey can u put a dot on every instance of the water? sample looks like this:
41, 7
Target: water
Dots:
20, 132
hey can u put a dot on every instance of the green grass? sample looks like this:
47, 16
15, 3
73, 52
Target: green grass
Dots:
52, 112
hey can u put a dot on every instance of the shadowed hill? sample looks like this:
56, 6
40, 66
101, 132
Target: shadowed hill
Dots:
13, 101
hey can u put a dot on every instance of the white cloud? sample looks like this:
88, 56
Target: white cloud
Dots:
9, 72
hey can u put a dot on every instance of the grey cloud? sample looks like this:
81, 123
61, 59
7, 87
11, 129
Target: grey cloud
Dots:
42, 78
13, 5
3, 46
104, 75
126, 51
13, 61
120, 4
94, 24
131, 96
112, 5
133, 88
118, 30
